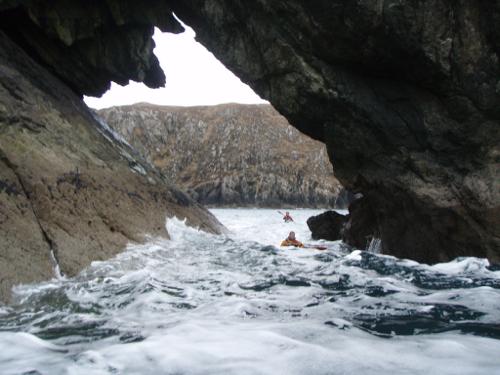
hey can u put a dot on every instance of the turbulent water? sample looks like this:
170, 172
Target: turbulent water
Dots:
239, 304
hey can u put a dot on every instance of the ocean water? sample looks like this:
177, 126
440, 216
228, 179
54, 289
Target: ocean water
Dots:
239, 304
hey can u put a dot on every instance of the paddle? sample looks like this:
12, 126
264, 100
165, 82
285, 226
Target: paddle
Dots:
317, 247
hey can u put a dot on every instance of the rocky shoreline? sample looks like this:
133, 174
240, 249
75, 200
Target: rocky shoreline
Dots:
70, 191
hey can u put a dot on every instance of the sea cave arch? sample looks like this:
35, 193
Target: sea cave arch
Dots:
403, 94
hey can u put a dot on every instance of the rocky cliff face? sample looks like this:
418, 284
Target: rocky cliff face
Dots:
404, 94
70, 191
230, 154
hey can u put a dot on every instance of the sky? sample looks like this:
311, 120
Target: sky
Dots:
194, 77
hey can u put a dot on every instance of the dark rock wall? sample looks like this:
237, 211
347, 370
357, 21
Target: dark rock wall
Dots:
404, 93
230, 154
90, 43
66, 184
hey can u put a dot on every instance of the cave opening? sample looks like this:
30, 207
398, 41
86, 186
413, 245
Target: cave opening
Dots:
194, 77
213, 136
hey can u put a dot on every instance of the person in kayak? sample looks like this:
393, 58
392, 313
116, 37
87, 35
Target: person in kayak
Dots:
292, 241
287, 218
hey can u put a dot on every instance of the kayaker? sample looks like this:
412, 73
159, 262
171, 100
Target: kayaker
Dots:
291, 241
287, 218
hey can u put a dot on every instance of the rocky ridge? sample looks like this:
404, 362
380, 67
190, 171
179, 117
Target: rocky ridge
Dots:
230, 154
404, 94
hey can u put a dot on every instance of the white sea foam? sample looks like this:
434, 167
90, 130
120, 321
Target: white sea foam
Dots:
240, 304
463, 265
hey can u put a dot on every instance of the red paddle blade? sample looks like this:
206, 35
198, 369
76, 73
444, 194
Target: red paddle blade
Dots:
317, 247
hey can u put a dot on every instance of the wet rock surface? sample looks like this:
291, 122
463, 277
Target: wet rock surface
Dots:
345, 198
67, 184
230, 154
404, 94
327, 226
88, 45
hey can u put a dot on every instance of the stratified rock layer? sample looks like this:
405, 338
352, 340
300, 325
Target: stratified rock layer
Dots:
67, 186
230, 154
404, 93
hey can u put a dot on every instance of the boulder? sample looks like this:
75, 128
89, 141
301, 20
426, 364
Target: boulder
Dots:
327, 226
